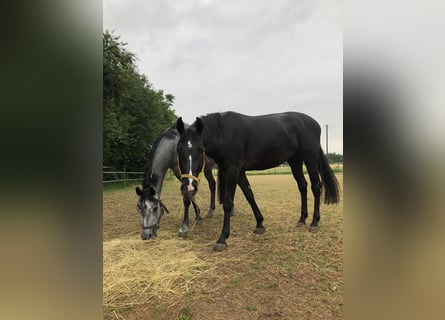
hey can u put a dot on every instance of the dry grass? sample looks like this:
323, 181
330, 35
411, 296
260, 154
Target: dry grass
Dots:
135, 271
286, 273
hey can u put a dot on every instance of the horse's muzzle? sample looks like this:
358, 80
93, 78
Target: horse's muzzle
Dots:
148, 234
189, 190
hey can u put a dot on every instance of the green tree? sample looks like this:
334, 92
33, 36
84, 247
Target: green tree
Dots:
335, 157
134, 113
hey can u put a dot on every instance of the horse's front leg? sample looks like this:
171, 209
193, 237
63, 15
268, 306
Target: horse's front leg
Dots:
197, 212
185, 222
230, 181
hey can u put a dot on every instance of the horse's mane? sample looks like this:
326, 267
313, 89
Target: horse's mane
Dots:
213, 124
170, 133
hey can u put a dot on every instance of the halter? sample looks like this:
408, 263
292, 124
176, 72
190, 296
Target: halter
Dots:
190, 176
196, 179
155, 225
163, 206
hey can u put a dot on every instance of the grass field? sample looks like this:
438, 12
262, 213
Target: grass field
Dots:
285, 273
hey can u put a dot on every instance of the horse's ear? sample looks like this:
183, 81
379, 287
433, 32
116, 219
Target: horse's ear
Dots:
199, 126
138, 191
180, 125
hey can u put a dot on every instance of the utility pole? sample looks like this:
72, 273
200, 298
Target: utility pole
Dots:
327, 150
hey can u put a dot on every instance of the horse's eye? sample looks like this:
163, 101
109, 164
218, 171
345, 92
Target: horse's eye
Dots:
140, 206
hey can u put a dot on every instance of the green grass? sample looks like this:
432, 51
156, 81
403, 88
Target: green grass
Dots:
336, 167
236, 281
185, 313
250, 307
274, 284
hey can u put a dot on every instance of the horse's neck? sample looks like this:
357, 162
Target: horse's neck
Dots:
211, 145
163, 158
156, 177
212, 132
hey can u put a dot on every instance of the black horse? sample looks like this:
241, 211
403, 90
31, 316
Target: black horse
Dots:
239, 143
162, 157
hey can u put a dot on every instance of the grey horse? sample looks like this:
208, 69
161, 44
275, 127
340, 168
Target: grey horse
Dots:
162, 157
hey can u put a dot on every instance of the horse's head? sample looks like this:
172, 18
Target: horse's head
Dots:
191, 156
151, 210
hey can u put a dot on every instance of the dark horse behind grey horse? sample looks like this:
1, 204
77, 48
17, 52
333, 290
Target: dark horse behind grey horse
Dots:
162, 157
239, 143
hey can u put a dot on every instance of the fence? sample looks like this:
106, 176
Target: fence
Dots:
124, 178
118, 178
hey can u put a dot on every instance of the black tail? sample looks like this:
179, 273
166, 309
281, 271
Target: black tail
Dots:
330, 183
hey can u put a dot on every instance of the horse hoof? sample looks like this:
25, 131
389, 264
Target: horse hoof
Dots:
232, 213
209, 214
259, 230
300, 224
182, 234
314, 228
198, 222
219, 247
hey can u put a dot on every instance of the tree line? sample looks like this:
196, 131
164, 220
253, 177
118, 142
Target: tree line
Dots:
334, 157
134, 113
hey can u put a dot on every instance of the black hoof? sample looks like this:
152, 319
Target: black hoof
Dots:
232, 213
182, 234
209, 214
300, 224
199, 221
259, 230
314, 228
219, 247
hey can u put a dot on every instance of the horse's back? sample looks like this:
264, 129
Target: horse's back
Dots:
292, 128
289, 119
269, 140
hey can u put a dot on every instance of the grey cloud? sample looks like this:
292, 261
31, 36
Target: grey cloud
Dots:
252, 56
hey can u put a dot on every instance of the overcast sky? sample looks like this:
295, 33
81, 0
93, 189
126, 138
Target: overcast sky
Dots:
254, 57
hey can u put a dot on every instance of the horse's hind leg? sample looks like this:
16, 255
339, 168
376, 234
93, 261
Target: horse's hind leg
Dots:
245, 187
297, 171
197, 212
312, 168
212, 186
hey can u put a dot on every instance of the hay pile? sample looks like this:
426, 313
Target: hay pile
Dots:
135, 271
